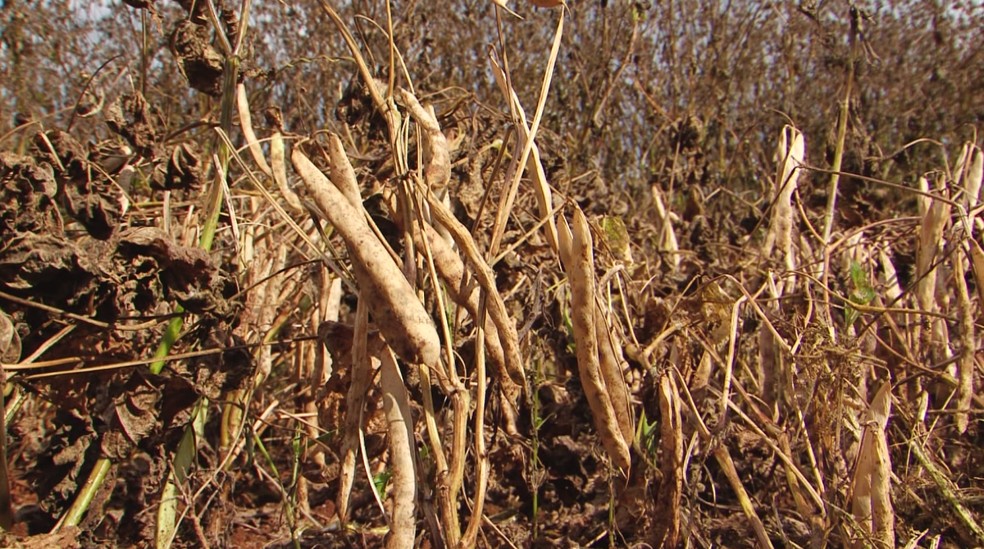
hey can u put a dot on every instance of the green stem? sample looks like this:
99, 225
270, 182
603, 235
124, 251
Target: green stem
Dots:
835, 168
171, 334
184, 456
167, 512
97, 476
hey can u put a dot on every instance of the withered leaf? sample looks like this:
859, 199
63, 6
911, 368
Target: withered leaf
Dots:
187, 271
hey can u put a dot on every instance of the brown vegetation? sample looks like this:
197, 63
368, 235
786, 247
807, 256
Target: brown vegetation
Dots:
419, 273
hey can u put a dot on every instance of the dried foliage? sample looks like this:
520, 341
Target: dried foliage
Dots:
497, 274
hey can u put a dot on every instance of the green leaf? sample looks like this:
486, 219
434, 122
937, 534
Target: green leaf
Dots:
381, 481
862, 292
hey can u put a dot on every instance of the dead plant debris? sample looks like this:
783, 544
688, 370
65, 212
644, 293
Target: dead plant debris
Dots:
490, 275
